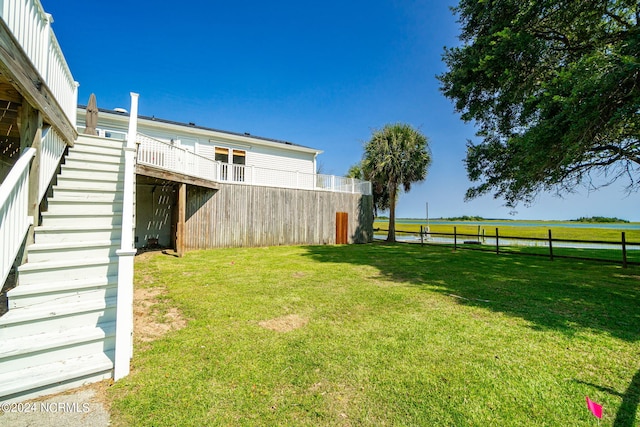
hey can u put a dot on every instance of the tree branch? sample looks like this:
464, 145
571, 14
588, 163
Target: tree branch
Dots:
621, 152
618, 19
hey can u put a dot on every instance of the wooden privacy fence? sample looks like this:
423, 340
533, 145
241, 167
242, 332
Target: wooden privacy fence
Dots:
505, 244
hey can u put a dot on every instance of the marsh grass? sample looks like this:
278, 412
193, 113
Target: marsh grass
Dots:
392, 335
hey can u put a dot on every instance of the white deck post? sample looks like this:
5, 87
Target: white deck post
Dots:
124, 310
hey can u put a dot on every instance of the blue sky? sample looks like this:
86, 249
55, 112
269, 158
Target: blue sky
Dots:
323, 74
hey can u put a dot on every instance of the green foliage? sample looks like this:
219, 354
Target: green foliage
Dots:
599, 219
553, 87
396, 156
355, 171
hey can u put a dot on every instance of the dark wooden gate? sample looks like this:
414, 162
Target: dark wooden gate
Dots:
342, 228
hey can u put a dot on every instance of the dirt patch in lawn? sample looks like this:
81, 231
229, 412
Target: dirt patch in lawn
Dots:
152, 319
286, 323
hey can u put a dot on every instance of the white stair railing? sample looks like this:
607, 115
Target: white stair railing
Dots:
14, 208
50, 154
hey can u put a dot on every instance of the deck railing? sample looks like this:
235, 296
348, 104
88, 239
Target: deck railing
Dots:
166, 156
14, 218
31, 26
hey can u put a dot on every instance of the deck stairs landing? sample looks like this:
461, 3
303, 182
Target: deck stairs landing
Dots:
59, 332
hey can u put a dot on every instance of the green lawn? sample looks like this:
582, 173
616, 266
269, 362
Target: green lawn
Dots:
386, 335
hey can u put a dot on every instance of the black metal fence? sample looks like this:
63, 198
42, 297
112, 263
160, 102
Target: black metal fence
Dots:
623, 252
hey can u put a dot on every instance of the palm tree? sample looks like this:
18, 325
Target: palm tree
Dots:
355, 171
396, 155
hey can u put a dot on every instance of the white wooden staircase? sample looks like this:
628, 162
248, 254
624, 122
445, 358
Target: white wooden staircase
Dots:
59, 331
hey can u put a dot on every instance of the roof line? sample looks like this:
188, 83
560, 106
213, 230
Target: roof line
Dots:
194, 126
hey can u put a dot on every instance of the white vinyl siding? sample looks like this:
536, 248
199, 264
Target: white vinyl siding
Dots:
260, 153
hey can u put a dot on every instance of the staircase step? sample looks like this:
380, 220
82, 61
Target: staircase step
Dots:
70, 297
94, 157
37, 381
54, 218
109, 149
70, 162
86, 193
71, 269
65, 291
61, 292
74, 172
58, 251
62, 285
79, 233
40, 349
71, 205
99, 142
88, 182
39, 319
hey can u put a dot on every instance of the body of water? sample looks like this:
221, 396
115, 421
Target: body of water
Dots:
506, 223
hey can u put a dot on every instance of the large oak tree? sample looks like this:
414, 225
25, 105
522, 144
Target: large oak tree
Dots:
554, 88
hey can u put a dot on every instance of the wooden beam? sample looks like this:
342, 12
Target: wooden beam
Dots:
8, 94
174, 176
182, 217
17, 69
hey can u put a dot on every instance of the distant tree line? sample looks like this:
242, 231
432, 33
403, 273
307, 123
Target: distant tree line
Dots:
465, 218
599, 219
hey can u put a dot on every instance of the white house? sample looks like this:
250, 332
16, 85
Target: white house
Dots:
169, 152
74, 207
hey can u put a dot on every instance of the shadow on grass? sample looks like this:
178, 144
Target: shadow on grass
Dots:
564, 295
626, 415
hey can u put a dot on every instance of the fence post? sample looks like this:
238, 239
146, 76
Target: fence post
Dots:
497, 244
455, 239
624, 250
421, 237
550, 246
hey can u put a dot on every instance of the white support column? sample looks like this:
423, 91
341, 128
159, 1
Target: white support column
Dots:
124, 310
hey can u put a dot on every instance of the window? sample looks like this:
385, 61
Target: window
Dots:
222, 155
239, 157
